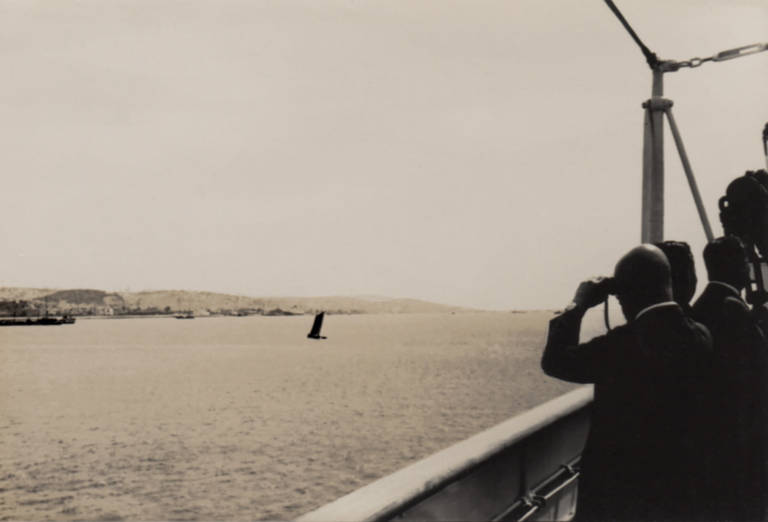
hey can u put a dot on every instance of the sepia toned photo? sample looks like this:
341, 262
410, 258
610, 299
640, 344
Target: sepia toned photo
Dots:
366, 260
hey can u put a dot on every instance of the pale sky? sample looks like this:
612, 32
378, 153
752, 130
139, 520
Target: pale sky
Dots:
478, 153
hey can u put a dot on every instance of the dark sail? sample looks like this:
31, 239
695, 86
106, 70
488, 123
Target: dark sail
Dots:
316, 326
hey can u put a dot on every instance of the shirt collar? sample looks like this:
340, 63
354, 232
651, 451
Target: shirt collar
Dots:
730, 287
656, 305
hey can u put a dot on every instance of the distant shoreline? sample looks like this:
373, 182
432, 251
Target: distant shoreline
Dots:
22, 302
307, 314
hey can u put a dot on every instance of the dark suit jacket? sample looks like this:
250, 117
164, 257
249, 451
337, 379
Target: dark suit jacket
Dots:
739, 405
643, 442
760, 314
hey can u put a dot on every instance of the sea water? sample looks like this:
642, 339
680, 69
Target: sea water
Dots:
243, 418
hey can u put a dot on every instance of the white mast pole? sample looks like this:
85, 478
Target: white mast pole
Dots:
652, 222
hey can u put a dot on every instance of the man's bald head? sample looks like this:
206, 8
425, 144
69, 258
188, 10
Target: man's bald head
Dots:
643, 278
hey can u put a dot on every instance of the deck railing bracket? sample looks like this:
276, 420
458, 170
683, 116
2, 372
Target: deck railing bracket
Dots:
531, 499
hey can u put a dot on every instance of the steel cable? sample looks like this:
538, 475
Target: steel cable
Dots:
650, 56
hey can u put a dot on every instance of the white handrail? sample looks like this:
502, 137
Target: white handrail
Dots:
390, 495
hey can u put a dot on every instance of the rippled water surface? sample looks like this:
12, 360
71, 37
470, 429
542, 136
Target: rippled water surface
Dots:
245, 418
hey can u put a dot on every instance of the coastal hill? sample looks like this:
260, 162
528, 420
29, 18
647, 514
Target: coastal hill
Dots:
99, 302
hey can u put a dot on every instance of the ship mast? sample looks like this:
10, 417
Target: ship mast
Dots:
652, 216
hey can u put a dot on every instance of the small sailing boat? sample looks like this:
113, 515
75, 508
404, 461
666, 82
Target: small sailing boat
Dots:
316, 326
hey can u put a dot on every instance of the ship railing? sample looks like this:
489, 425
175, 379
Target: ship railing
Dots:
525, 468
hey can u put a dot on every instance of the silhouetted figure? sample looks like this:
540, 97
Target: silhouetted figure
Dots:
681, 263
317, 325
738, 387
744, 213
744, 209
640, 459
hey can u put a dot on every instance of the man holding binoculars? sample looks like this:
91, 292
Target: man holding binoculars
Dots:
642, 456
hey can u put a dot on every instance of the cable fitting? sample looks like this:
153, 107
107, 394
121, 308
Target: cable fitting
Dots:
672, 66
740, 51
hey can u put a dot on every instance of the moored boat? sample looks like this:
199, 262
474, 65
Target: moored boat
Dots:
41, 321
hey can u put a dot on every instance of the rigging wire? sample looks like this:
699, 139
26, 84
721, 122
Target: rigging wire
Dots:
670, 65
650, 56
